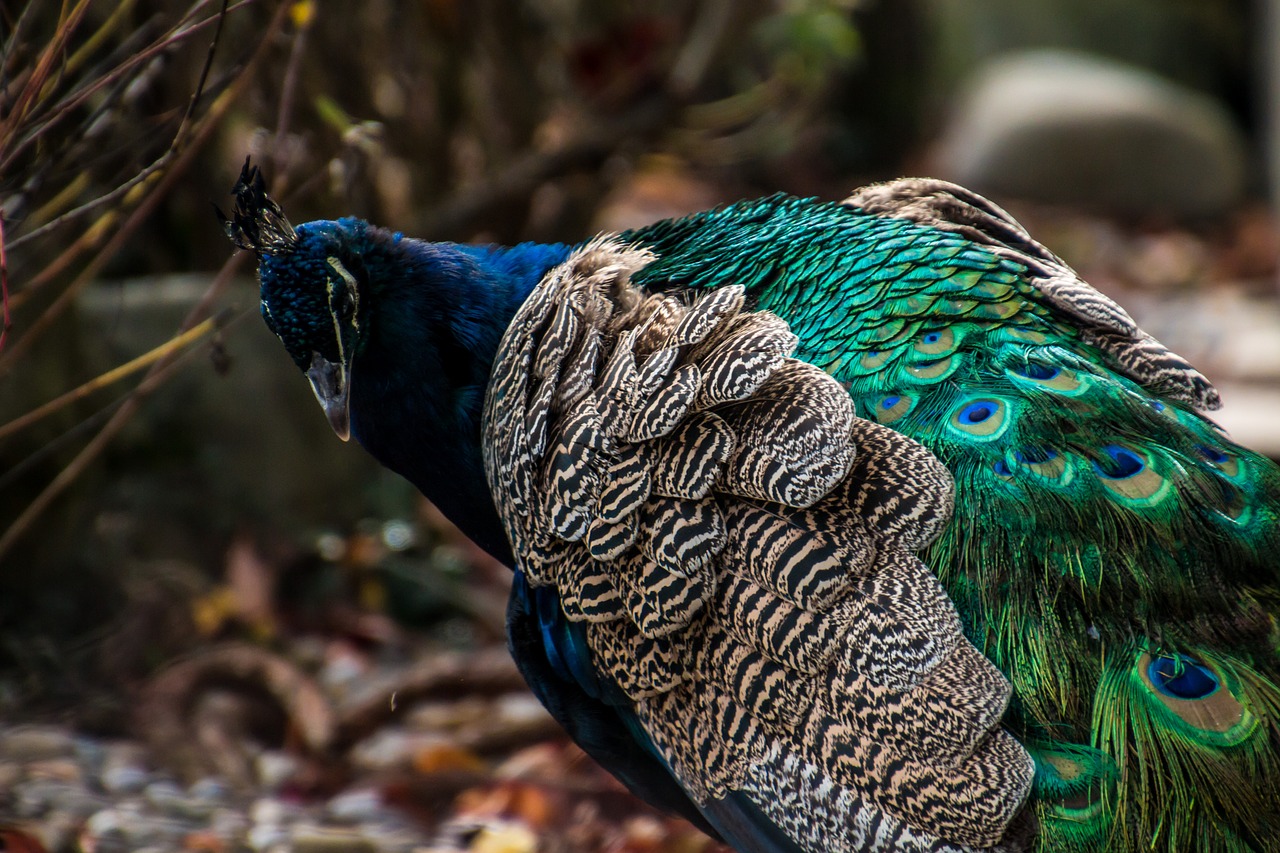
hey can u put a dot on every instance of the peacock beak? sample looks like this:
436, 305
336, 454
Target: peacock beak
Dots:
329, 382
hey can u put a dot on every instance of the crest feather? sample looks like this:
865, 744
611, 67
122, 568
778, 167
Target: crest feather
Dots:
257, 222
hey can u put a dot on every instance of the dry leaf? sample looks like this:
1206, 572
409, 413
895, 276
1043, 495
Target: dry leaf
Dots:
441, 757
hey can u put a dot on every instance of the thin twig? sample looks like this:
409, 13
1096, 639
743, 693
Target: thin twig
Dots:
165, 181
204, 70
68, 104
700, 49
100, 36
62, 219
114, 375
4, 286
288, 89
12, 43
157, 373
35, 84
525, 173
69, 474
91, 235
98, 418
88, 238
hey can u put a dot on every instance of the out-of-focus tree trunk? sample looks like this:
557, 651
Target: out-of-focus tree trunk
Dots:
1270, 52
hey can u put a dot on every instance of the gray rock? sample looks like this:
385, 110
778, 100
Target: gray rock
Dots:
34, 799
391, 747
123, 767
36, 743
269, 811
61, 830
90, 753
123, 779
57, 770
228, 823
310, 839
393, 834
10, 774
356, 806
266, 836
102, 822
1071, 128
275, 768
105, 828
75, 800
165, 795
209, 790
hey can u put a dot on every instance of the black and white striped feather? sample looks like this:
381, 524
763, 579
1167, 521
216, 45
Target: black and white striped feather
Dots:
739, 546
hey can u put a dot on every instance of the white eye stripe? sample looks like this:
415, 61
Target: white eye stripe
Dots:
353, 291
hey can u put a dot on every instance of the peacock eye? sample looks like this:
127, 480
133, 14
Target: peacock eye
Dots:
344, 294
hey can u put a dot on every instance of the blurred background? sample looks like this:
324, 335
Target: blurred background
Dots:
222, 629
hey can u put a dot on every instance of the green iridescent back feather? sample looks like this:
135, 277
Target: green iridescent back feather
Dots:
1111, 551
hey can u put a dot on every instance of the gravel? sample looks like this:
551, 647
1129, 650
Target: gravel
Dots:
79, 794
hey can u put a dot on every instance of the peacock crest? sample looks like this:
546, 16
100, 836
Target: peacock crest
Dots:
257, 223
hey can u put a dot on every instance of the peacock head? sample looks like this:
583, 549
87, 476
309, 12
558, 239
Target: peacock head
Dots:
311, 286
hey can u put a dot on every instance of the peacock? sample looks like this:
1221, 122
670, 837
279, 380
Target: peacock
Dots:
845, 526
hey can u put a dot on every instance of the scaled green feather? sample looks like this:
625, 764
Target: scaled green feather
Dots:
1100, 524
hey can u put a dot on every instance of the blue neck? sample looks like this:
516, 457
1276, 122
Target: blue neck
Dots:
438, 312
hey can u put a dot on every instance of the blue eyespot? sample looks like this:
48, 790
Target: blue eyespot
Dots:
1002, 468
1037, 371
1182, 677
932, 338
1213, 454
890, 401
1120, 464
1158, 406
976, 413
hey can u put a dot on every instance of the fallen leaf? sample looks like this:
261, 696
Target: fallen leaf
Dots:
505, 838
440, 757
14, 840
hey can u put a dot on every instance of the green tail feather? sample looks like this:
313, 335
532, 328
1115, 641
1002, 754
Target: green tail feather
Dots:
1198, 761
1075, 788
1146, 523
1098, 526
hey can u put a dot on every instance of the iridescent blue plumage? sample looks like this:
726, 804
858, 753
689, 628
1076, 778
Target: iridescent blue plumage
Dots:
1111, 551
419, 375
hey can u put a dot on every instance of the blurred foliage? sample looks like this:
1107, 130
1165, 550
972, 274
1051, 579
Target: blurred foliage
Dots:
458, 118
91, 141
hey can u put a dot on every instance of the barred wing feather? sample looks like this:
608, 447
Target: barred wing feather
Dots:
737, 548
